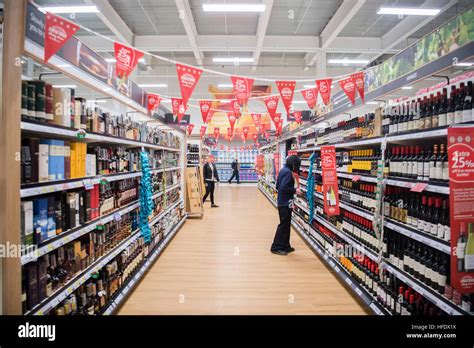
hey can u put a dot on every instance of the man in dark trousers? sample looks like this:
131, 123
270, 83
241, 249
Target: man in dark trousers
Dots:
210, 179
286, 190
235, 173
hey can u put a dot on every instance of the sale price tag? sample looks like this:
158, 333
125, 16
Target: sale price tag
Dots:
419, 187
88, 185
356, 178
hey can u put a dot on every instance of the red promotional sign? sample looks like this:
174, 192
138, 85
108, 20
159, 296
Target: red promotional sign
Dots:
255, 137
126, 59
190, 128
461, 207
276, 119
256, 119
245, 131
205, 106
230, 133
276, 162
297, 116
153, 101
242, 88
56, 32
330, 184
235, 107
178, 108
324, 88
188, 77
203, 130
271, 103
216, 133
348, 86
287, 89
232, 119
311, 97
360, 84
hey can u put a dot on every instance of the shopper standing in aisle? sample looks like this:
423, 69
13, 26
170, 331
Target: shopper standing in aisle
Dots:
286, 190
235, 173
210, 179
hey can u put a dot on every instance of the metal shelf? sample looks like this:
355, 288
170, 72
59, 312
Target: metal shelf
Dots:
56, 131
50, 187
50, 302
272, 201
151, 258
340, 271
434, 297
73, 234
418, 236
365, 214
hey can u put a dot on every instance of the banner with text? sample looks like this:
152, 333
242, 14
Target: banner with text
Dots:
330, 184
461, 207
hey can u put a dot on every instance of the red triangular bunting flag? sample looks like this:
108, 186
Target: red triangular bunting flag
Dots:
188, 77
230, 133
255, 137
126, 59
287, 89
232, 119
256, 119
245, 132
242, 89
202, 131
297, 116
348, 86
153, 102
271, 103
276, 119
236, 107
56, 32
190, 128
205, 106
324, 88
311, 97
216, 133
360, 84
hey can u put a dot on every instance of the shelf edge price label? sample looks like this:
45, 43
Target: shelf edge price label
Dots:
118, 216
88, 185
419, 187
81, 134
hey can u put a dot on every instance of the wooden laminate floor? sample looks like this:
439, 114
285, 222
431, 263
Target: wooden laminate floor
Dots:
222, 265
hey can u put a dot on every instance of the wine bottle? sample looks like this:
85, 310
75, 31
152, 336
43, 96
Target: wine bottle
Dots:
442, 111
469, 253
433, 159
467, 106
451, 106
458, 110
461, 247
426, 166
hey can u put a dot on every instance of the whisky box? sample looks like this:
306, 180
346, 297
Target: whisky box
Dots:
42, 278
40, 99
31, 285
40, 219
49, 115
67, 160
70, 210
91, 168
58, 198
24, 98
31, 92
62, 106
82, 208
27, 222
51, 217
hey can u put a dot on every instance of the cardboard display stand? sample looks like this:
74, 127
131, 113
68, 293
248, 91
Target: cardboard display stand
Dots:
194, 192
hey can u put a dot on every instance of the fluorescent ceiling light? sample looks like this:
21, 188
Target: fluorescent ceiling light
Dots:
70, 9
298, 102
465, 64
225, 85
64, 65
348, 61
159, 85
372, 103
408, 11
309, 86
99, 101
232, 60
166, 101
233, 7
407, 87
64, 86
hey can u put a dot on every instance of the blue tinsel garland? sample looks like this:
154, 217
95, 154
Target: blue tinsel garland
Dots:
310, 187
146, 202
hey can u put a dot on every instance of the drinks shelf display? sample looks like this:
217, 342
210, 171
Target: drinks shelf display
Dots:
246, 160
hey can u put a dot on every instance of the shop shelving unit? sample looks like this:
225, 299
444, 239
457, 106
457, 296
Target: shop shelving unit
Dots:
19, 44
315, 240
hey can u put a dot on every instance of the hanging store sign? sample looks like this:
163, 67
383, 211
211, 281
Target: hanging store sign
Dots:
188, 77
324, 88
242, 89
57, 32
287, 90
461, 207
205, 106
330, 184
311, 97
126, 59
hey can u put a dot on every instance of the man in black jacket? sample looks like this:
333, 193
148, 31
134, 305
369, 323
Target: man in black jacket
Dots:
235, 173
286, 190
210, 179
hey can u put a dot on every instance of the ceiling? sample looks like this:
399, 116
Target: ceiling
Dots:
292, 39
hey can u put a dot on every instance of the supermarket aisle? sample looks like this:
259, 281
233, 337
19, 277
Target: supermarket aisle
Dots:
222, 265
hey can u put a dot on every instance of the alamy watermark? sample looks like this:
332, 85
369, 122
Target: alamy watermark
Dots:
10, 250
